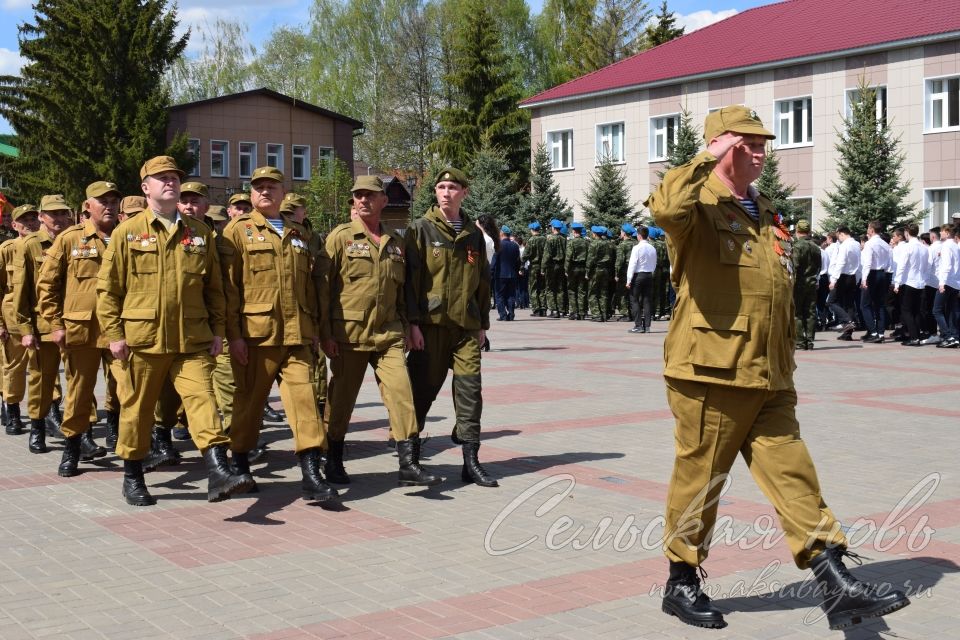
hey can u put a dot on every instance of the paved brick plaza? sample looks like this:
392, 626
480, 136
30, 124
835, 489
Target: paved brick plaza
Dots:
578, 408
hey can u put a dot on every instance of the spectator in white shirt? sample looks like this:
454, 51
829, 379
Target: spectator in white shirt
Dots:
909, 280
948, 283
928, 324
843, 282
875, 259
640, 268
824, 288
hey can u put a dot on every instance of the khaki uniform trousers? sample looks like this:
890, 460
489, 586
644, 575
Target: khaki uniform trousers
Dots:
390, 369
294, 366
139, 383
15, 363
82, 366
320, 379
713, 424
448, 348
224, 387
169, 406
44, 379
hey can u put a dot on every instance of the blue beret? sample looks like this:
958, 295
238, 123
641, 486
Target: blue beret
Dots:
563, 228
609, 232
576, 225
534, 225
628, 228
505, 229
556, 224
597, 229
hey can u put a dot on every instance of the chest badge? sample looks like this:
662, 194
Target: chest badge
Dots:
730, 245
735, 226
747, 247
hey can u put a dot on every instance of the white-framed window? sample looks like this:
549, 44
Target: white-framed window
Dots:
325, 160
794, 122
942, 204
610, 142
301, 162
806, 207
248, 158
193, 148
219, 159
560, 147
663, 135
275, 155
881, 100
942, 104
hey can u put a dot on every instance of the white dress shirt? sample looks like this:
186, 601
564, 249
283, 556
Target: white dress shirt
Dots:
948, 273
933, 265
912, 269
846, 261
876, 254
824, 260
643, 259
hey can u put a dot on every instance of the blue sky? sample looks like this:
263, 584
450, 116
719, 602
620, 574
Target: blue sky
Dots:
264, 17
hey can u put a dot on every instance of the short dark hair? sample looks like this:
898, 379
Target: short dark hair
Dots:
876, 225
843, 229
949, 229
643, 232
913, 229
898, 232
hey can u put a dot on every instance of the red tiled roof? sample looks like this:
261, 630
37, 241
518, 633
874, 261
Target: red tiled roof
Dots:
768, 34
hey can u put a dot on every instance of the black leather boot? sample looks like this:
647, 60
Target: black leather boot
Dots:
38, 436
113, 429
221, 481
270, 414
134, 488
257, 453
89, 449
411, 474
684, 598
333, 468
162, 452
241, 467
71, 457
14, 424
54, 421
846, 600
472, 471
314, 487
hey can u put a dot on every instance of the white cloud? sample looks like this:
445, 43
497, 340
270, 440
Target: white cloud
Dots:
701, 19
10, 62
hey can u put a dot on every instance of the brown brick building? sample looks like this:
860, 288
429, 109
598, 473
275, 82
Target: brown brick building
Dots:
232, 135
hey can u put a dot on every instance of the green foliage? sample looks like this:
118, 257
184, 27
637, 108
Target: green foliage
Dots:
608, 197
484, 96
9, 139
543, 202
869, 168
560, 33
663, 28
424, 197
687, 145
618, 32
770, 184
328, 194
221, 67
90, 103
283, 63
490, 189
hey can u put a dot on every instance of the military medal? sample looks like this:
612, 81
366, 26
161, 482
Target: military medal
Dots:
735, 225
730, 244
129, 237
436, 249
74, 253
261, 239
747, 247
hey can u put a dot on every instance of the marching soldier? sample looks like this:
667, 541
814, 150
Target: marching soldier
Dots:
272, 327
67, 299
363, 322
620, 299
534, 255
448, 308
25, 221
575, 267
160, 305
806, 274
600, 259
661, 276
551, 266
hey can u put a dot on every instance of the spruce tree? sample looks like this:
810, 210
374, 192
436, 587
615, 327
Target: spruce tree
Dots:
663, 28
617, 32
490, 190
424, 196
328, 195
484, 96
869, 165
543, 203
90, 103
687, 145
608, 197
770, 183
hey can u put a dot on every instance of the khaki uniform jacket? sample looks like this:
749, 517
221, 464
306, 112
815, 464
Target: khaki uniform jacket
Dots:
601, 255
11, 276
448, 274
363, 307
270, 282
161, 292
576, 254
734, 322
25, 304
806, 263
554, 253
67, 286
534, 252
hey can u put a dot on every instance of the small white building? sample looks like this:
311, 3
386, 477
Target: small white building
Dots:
797, 63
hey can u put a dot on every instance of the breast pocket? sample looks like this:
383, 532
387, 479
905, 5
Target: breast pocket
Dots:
144, 259
358, 267
737, 246
84, 268
261, 257
718, 339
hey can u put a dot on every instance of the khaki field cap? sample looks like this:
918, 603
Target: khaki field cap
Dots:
367, 183
267, 173
737, 119
291, 201
53, 202
133, 204
194, 187
22, 210
215, 213
159, 164
101, 188
240, 197
803, 226
451, 174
